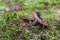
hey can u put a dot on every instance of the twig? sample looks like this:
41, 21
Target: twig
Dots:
47, 33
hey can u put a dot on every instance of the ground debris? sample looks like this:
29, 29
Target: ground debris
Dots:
38, 19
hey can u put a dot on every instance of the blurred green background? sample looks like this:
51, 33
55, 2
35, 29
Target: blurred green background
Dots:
12, 10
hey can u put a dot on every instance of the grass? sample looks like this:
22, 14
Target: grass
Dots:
10, 28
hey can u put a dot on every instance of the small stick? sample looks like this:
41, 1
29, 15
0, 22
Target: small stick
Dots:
35, 21
47, 33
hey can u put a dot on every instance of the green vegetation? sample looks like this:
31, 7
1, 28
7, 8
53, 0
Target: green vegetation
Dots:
10, 21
